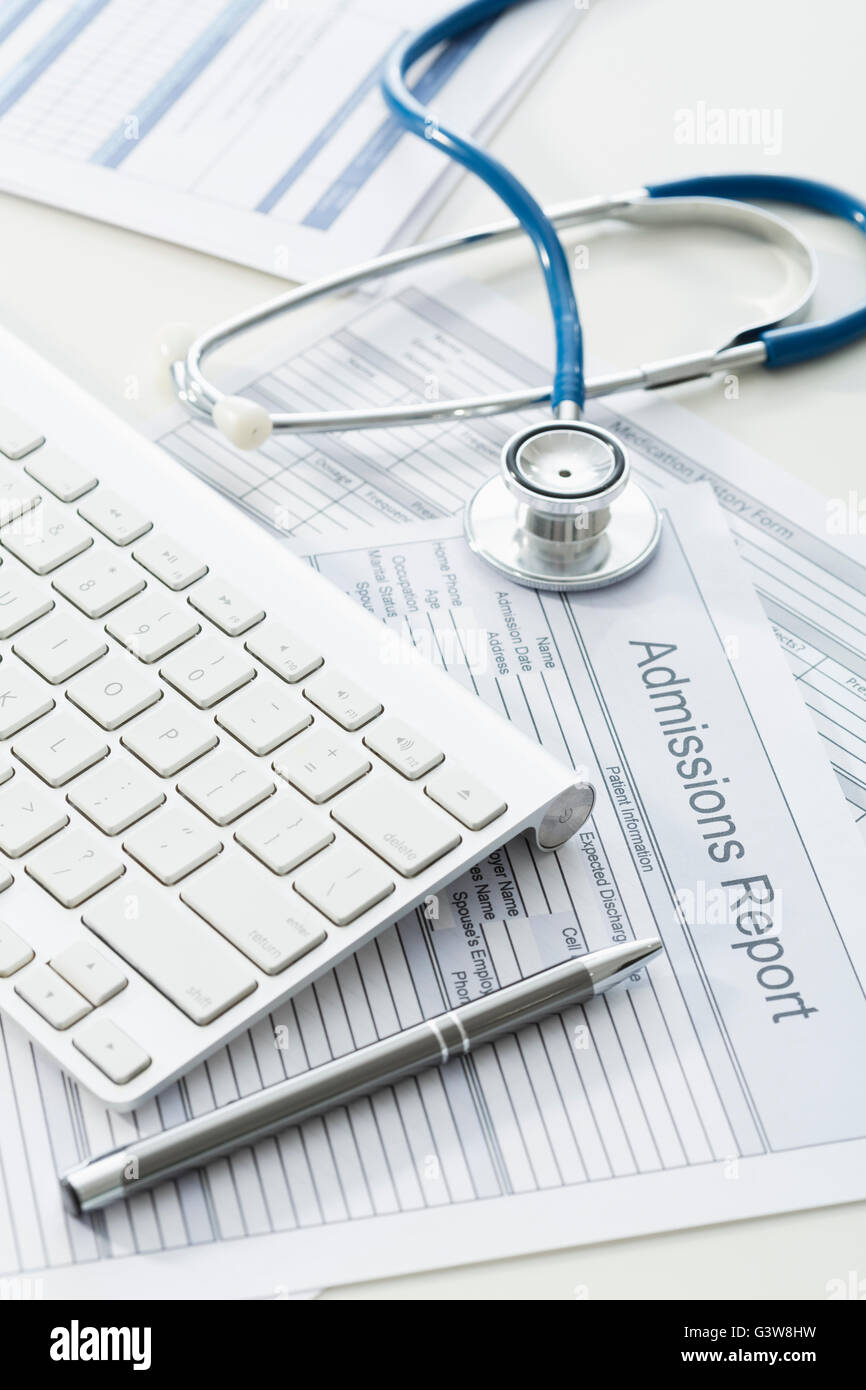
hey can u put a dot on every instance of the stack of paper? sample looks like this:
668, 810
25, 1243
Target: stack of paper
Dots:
725, 1081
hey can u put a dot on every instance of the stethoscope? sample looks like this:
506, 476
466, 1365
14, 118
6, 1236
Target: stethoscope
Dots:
564, 511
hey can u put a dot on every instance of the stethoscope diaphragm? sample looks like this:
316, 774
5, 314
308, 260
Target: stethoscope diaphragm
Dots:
564, 511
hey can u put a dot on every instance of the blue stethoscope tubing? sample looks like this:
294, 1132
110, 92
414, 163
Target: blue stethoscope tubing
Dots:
783, 345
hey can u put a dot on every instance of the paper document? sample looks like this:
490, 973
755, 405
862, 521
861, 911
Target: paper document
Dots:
806, 560
723, 1082
249, 129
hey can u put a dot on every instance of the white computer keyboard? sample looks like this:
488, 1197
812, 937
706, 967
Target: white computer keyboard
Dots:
216, 780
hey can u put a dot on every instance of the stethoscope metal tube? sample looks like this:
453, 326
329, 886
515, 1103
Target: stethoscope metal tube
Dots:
202, 396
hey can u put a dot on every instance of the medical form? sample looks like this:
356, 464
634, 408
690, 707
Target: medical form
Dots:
250, 129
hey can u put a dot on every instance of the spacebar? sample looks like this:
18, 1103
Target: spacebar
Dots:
180, 956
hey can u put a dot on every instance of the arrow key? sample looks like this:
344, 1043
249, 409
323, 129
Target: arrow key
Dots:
112, 1050
88, 971
57, 1002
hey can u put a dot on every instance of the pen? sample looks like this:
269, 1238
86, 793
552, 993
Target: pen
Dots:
144, 1163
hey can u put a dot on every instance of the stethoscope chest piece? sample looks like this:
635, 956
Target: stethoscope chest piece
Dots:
564, 512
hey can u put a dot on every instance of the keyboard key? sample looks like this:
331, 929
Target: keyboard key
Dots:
342, 699
320, 764
59, 646
170, 738
180, 956
342, 884
286, 655
26, 818
276, 934
468, 800
152, 626
74, 867
14, 952
17, 494
284, 834
90, 972
64, 476
226, 606
57, 1002
116, 795
207, 671
116, 518
46, 537
402, 748
114, 691
22, 600
6, 880
17, 437
96, 583
111, 1050
394, 823
59, 748
172, 844
225, 785
264, 716
23, 698
162, 557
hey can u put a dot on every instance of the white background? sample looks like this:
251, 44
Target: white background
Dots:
602, 118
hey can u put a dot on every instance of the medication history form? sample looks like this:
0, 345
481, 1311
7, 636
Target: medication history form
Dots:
724, 1082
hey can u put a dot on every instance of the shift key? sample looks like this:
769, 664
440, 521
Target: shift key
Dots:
177, 953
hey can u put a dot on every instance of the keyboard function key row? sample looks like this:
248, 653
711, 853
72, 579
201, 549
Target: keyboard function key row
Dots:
17, 436
63, 476
227, 607
115, 518
168, 561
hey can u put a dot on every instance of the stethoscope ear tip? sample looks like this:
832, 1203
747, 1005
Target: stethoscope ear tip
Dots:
564, 511
244, 423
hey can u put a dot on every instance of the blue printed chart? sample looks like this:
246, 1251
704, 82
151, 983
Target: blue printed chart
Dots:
252, 129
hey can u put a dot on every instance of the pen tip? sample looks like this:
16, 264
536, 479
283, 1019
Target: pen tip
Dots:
608, 967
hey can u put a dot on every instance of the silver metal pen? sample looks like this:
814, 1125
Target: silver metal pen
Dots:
146, 1162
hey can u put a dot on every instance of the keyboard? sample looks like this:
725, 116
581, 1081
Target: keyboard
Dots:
217, 776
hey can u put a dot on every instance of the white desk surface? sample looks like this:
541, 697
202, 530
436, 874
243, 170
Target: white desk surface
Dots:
602, 118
